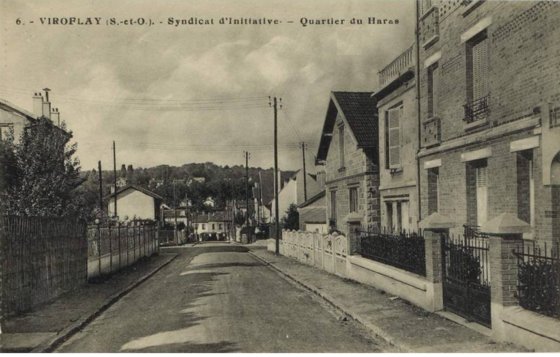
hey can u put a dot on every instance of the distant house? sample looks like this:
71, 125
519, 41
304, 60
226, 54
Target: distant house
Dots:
179, 215
349, 151
134, 202
209, 202
212, 226
313, 214
196, 179
293, 192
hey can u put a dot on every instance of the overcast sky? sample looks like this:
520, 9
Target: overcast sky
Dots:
195, 93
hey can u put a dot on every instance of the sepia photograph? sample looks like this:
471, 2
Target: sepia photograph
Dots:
279, 176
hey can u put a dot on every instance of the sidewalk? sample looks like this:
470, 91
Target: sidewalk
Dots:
405, 326
48, 325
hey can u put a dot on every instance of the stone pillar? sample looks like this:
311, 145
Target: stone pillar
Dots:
353, 225
435, 227
506, 232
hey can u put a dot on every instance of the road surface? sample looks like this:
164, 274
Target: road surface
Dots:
216, 297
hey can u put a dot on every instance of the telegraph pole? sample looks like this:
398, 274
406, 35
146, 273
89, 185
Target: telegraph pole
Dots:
100, 188
115, 175
276, 209
304, 173
247, 186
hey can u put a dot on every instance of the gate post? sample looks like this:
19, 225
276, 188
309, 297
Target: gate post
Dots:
506, 232
435, 227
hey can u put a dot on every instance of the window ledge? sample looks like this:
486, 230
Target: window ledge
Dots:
428, 12
430, 41
470, 7
475, 124
395, 170
342, 169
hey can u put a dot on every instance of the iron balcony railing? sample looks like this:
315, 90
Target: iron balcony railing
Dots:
477, 109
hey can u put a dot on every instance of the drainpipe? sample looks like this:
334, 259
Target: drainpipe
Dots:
417, 75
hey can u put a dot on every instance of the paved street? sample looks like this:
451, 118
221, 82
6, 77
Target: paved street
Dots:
218, 298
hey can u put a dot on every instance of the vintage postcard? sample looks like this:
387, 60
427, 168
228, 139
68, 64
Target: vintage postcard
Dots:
279, 176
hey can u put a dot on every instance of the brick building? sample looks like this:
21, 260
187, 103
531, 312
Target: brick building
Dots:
398, 143
348, 149
489, 79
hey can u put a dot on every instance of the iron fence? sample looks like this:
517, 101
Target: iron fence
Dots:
477, 109
403, 250
538, 286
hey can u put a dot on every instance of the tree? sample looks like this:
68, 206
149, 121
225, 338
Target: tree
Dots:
47, 174
291, 219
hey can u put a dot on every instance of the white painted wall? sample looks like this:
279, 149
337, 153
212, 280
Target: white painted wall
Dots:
133, 204
286, 197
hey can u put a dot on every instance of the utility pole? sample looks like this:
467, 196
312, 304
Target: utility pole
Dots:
100, 188
276, 209
304, 173
247, 187
115, 175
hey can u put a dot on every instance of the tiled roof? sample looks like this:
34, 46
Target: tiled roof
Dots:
360, 111
314, 215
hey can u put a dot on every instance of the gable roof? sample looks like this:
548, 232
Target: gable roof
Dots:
359, 112
137, 188
313, 199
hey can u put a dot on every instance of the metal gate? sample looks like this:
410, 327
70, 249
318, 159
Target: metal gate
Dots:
466, 276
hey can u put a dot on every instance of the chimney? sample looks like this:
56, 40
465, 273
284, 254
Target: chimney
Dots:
38, 105
47, 104
55, 116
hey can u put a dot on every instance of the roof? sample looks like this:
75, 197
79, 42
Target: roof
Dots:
218, 216
170, 213
313, 199
137, 188
359, 112
314, 215
14, 108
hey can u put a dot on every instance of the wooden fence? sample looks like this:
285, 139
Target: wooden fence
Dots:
112, 247
40, 258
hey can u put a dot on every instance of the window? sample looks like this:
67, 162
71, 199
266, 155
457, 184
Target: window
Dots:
389, 215
341, 144
213, 226
203, 226
433, 190
353, 192
477, 78
525, 187
333, 205
393, 137
220, 227
6, 131
477, 192
433, 89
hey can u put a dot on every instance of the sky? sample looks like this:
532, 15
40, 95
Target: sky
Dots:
195, 93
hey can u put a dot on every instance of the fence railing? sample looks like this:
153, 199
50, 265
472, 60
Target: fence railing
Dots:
40, 258
112, 247
397, 67
403, 250
538, 287
477, 109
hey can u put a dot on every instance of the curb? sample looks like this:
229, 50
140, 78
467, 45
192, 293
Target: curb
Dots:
65, 334
374, 329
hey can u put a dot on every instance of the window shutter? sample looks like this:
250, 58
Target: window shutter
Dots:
393, 129
480, 69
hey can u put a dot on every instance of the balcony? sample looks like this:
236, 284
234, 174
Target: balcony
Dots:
397, 67
476, 111
432, 132
429, 27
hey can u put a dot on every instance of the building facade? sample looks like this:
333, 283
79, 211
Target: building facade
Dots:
349, 152
398, 144
490, 112
135, 202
